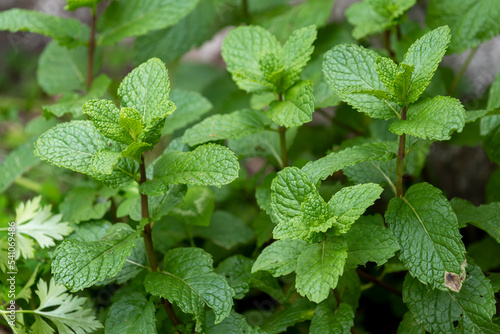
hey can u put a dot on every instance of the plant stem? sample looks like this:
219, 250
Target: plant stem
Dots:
401, 159
246, 13
91, 48
148, 242
378, 282
28, 184
461, 72
284, 156
387, 44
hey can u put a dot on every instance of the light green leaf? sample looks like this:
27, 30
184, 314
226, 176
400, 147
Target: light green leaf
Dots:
105, 117
485, 217
62, 70
471, 21
235, 125
90, 231
67, 31
322, 168
346, 66
369, 241
426, 228
79, 264
330, 319
197, 206
296, 108
136, 18
131, 120
386, 69
188, 280
75, 4
236, 270
409, 325
319, 267
208, 164
468, 311
436, 119
425, 55
234, 323
403, 82
351, 202
190, 106
280, 258
66, 311
104, 161
135, 150
159, 206
301, 310
371, 17
131, 314
16, 163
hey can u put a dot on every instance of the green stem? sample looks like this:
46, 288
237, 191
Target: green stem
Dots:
148, 242
387, 44
91, 49
244, 8
400, 159
378, 282
284, 155
28, 184
461, 72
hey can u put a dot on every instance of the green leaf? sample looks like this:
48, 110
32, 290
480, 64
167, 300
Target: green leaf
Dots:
90, 231
301, 310
280, 258
159, 206
330, 319
235, 125
346, 66
468, 311
234, 323
225, 230
319, 268
242, 49
236, 270
296, 108
208, 164
16, 163
371, 17
426, 228
79, 264
409, 325
136, 18
471, 21
62, 70
67, 31
387, 70
190, 106
104, 161
188, 280
322, 168
436, 119
351, 202
403, 82
105, 117
485, 217
197, 206
65, 311
75, 4
425, 55
369, 241
131, 120
131, 314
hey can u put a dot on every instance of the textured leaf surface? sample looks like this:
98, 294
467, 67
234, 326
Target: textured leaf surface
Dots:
368, 240
485, 217
131, 314
319, 267
409, 325
234, 323
299, 311
136, 18
296, 108
468, 311
208, 164
425, 55
234, 125
188, 279
322, 168
236, 270
427, 230
328, 319
67, 31
280, 257
346, 66
471, 21
79, 265
436, 119
105, 117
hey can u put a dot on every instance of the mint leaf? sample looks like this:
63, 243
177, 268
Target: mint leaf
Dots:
426, 228
79, 264
104, 161
330, 319
196, 206
409, 325
136, 18
471, 22
236, 270
299, 311
208, 164
403, 82
68, 32
75, 4
190, 106
369, 241
162, 205
346, 66
234, 323
105, 117
326, 166
319, 268
296, 108
351, 202
425, 55
188, 279
16, 163
371, 17
280, 257
131, 314
485, 217
469, 311
234, 125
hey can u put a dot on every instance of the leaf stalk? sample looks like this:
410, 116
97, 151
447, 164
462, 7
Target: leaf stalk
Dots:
400, 159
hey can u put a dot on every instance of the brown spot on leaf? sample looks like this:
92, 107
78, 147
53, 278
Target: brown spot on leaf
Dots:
452, 281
